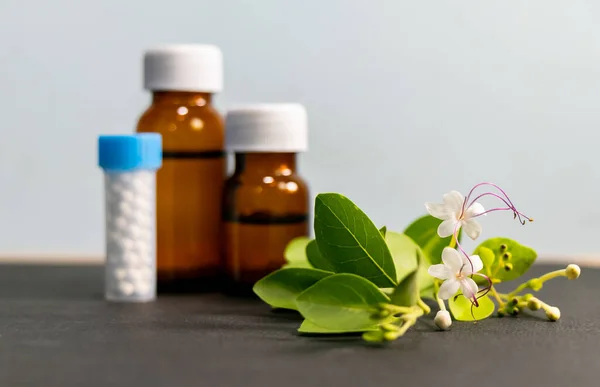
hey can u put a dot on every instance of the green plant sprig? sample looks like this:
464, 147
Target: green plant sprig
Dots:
355, 277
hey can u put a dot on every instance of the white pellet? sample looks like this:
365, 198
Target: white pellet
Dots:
130, 235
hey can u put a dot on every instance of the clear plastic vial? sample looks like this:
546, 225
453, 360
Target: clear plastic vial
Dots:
130, 163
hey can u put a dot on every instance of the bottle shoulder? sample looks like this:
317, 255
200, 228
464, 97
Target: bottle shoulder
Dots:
246, 193
187, 126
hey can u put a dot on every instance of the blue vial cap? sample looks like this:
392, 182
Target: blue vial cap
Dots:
130, 152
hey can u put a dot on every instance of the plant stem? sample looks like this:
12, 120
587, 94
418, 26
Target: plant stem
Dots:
441, 303
426, 309
497, 297
452, 242
405, 326
545, 307
553, 274
409, 320
542, 279
436, 288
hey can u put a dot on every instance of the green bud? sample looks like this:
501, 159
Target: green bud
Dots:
508, 266
506, 256
390, 327
535, 284
501, 313
515, 311
383, 314
573, 271
390, 336
514, 301
527, 297
534, 304
503, 247
373, 336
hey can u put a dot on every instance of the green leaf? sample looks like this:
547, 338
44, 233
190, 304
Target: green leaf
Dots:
383, 230
316, 259
341, 302
310, 327
407, 292
424, 279
350, 242
408, 256
424, 232
520, 258
404, 253
280, 288
295, 253
461, 308
487, 257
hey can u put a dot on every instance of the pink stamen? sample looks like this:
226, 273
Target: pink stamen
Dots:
511, 207
467, 203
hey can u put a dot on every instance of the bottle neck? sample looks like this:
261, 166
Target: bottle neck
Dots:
277, 164
186, 98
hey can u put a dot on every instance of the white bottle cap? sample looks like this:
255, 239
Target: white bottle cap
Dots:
184, 67
278, 127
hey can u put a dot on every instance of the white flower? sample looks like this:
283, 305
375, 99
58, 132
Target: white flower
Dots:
453, 216
443, 320
455, 272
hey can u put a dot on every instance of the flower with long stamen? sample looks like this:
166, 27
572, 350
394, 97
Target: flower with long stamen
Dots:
503, 196
455, 271
454, 215
458, 211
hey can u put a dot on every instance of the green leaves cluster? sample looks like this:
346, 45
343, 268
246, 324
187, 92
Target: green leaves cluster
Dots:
356, 277
340, 280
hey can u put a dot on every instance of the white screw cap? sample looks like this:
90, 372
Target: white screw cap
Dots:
184, 67
277, 127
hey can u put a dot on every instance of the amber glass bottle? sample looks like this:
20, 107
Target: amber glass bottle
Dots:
183, 79
265, 200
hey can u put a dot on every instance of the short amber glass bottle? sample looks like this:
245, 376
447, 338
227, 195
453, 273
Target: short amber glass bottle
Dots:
265, 201
183, 79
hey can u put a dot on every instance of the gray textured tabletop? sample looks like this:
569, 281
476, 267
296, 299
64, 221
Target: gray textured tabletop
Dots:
56, 330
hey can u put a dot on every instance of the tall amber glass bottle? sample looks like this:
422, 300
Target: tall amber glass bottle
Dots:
265, 200
182, 79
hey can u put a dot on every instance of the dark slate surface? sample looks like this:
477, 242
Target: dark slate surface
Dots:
55, 330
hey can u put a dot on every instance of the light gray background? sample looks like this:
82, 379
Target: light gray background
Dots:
407, 100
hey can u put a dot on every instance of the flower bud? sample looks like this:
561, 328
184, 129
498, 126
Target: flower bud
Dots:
553, 313
443, 320
508, 266
506, 256
501, 313
390, 336
373, 336
535, 284
383, 314
573, 271
390, 327
503, 247
527, 297
534, 304
515, 311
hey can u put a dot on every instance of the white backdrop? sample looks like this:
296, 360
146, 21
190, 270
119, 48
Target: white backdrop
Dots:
406, 100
